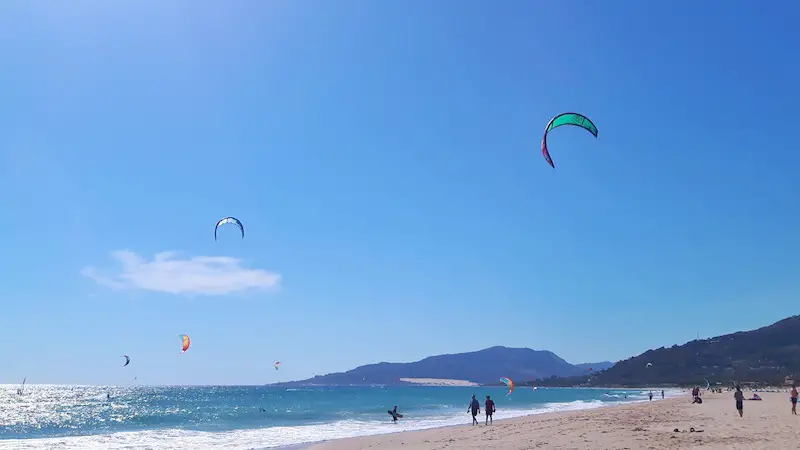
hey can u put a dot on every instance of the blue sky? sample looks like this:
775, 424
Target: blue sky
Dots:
384, 158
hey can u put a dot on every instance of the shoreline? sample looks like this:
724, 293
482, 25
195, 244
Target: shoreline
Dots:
767, 424
344, 443
253, 439
431, 416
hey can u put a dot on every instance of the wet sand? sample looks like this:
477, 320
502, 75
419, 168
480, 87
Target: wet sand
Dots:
767, 424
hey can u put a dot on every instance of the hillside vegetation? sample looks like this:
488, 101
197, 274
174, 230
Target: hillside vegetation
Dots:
767, 355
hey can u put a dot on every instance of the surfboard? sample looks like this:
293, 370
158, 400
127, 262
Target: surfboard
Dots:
393, 414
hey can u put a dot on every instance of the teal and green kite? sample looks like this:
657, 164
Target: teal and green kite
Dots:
578, 120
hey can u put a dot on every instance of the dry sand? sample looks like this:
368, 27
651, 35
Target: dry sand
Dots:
767, 424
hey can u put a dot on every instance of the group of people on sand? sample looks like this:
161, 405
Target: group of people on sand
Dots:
738, 396
489, 406
475, 408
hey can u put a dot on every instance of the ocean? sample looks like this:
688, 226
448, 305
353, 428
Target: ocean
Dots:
255, 417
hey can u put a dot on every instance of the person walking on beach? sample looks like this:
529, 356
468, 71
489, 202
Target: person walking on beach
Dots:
489, 409
793, 397
662, 394
475, 406
739, 396
651, 396
695, 394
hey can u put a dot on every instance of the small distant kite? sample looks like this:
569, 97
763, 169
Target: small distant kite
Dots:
232, 220
649, 365
185, 341
508, 383
575, 119
277, 363
127, 360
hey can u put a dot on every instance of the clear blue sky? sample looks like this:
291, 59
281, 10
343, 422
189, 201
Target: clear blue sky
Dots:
384, 158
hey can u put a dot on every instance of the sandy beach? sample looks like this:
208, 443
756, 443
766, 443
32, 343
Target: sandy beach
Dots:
767, 424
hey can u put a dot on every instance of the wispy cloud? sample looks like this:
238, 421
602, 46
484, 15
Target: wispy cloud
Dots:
203, 275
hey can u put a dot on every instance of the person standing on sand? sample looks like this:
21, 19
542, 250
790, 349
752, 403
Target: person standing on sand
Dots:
651, 396
489, 409
662, 394
793, 397
739, 396
475, 406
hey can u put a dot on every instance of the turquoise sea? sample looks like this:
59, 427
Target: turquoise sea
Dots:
254, 417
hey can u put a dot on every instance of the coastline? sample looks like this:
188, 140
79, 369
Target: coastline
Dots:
382, 439
433, 408
767, 424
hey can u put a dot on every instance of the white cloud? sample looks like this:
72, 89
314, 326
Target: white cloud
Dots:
204, 275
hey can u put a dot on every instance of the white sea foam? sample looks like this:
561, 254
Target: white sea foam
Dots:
174, 439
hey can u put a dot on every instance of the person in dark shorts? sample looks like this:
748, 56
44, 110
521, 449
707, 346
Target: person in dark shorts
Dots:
475, 407
739, 397
489, 407
793, 397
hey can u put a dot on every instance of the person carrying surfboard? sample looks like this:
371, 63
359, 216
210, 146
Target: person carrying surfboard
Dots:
395, 414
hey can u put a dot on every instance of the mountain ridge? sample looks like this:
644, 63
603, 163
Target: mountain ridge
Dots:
765, 355
481, 366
